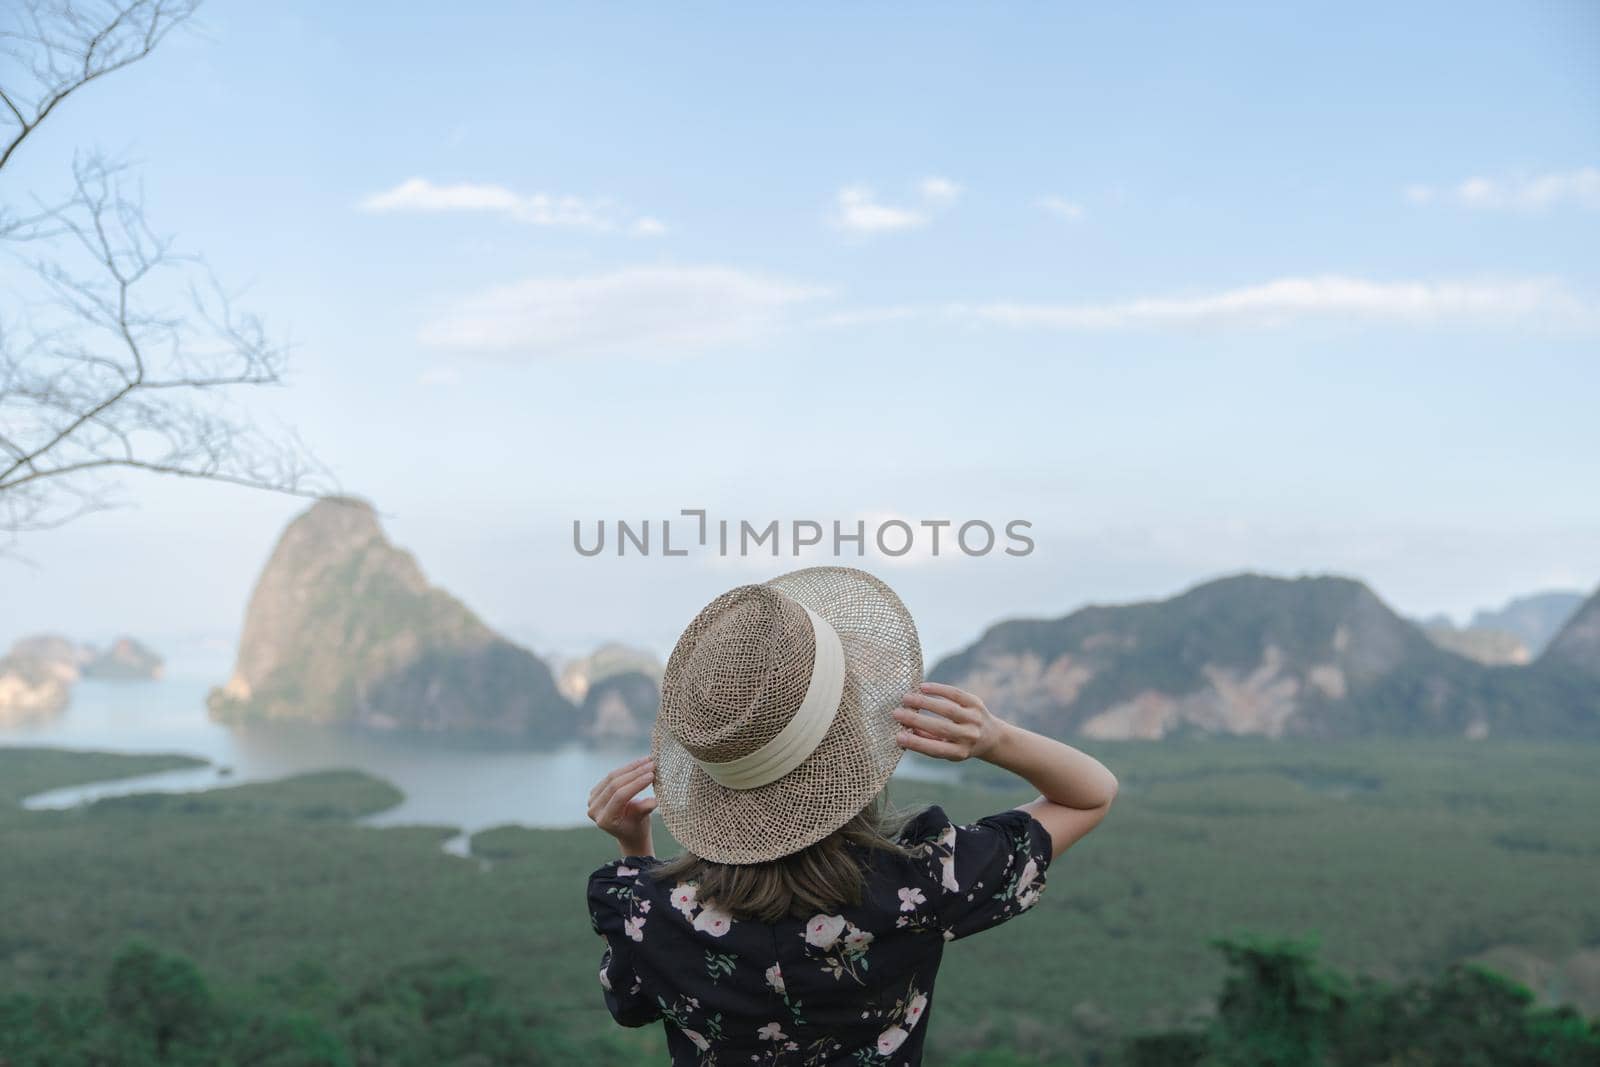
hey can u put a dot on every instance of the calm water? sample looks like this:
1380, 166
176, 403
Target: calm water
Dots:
471, 788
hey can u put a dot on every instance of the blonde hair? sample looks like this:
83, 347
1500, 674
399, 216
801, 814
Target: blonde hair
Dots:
822, 877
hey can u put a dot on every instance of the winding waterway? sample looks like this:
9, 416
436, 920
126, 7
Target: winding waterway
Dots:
444, 783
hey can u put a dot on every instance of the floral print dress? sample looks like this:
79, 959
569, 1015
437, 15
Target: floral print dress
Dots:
849, 988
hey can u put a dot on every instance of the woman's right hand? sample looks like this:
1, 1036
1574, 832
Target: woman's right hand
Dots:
947, 723
615, 806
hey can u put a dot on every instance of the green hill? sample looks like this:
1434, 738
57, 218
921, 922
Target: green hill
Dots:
1257, 655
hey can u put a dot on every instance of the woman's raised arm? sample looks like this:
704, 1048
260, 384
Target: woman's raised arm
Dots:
1076, 790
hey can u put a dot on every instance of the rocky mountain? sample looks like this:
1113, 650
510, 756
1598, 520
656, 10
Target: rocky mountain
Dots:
1533, 619
1484, 645
1251, 654
1575, 650
579, 674
622, 706
344, 629
61, 652
33, 688
1514, 634
617, 689
125, 660
37, 675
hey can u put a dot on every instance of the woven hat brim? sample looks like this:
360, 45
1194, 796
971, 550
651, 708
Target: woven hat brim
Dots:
853, 762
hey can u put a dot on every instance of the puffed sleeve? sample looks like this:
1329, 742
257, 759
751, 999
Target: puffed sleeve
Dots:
983, 874
620, 911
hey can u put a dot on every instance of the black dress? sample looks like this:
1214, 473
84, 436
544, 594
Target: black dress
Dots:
849, 988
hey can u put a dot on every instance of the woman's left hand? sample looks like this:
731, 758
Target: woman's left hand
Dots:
615, 806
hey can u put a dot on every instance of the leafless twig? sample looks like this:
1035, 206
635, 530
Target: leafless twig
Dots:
129, 358
63, 45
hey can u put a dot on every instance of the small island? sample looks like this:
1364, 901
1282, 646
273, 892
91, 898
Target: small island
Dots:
38, 673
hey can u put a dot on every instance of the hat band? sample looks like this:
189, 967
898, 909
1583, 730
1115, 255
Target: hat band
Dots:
803, 733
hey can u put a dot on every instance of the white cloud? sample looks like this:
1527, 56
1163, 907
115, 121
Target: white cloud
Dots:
1538, 192
939, 192
857, 207
857, 210
1280, 302
1062, 208
640, 311
420, 196
670, 311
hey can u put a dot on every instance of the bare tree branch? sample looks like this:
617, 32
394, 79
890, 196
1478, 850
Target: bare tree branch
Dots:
63, 45
130, 357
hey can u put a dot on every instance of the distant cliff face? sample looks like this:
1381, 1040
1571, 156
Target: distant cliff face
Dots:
1254, 655
62, 653
32, 689
578, 675
343, 628
125, 660
1514, 634
37, 675
1491, 647
1535, 619
622, 706
1576, 648
618, 689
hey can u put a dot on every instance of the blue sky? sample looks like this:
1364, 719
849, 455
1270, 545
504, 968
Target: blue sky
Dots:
1194, 291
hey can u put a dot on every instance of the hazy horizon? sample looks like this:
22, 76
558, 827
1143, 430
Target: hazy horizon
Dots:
664, 593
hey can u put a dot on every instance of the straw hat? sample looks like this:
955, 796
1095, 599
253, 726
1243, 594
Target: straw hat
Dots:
775, 726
